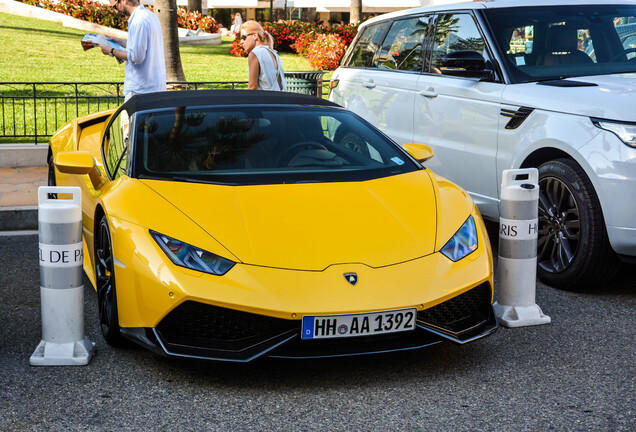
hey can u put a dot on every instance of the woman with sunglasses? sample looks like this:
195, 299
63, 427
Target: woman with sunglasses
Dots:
265, 68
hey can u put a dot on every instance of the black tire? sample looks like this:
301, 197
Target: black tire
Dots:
106, 292
573, 251
51, 180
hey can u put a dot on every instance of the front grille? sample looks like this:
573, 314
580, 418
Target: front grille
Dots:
461, 316
196, 326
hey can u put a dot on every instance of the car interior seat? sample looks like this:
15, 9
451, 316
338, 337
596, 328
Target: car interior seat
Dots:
262, 154
561, 47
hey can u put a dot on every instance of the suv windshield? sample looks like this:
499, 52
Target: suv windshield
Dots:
242, 145
541, 43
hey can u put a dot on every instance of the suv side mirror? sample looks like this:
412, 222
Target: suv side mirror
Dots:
468, 64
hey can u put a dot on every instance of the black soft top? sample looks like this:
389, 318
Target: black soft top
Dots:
187, 98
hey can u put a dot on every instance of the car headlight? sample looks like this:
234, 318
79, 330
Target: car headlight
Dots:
463, 243
188, 256
626, 132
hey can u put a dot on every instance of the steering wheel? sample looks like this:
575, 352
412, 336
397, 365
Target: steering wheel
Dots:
294, 149
351, 140
623, 53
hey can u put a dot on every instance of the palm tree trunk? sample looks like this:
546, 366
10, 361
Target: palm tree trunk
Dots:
355, 11
167, 13
194, 6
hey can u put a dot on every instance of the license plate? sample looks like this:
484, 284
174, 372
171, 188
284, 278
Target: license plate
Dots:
352, 325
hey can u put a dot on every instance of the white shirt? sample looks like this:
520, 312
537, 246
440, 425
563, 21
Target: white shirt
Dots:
146, 67
268, 76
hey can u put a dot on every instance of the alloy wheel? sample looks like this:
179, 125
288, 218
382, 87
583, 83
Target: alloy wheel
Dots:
559, 226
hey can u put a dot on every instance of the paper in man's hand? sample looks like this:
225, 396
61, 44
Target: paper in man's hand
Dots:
91, 40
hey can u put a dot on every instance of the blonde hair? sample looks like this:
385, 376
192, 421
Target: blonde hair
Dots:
252, 26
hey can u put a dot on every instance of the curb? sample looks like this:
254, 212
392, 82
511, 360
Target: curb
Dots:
23, 155
18, 218
21, 218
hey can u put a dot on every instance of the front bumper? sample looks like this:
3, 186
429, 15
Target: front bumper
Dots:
200, 331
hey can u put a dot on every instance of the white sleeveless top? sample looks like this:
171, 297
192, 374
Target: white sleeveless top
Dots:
268, 76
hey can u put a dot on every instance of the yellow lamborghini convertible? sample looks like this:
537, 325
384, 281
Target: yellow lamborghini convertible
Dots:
231, 225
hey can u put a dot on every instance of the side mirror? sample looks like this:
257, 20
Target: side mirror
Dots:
421, 152
79, 163
469, 64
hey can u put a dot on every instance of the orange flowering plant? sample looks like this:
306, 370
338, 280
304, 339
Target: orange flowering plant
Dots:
325, 52
323, 46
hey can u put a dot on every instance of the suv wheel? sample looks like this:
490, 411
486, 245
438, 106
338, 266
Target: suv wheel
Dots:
573, 248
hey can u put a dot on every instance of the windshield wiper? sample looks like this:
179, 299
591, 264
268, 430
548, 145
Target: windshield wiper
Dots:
185, 179
149, 177
198, 180
563, 82
167, 178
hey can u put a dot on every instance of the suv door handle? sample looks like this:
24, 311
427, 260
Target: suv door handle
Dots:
429, 92
368, 84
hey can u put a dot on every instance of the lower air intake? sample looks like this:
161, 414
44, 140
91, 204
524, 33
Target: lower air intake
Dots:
460, 317
196, 326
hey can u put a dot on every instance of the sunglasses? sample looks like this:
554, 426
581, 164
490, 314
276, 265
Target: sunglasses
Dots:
245, 36
115, 5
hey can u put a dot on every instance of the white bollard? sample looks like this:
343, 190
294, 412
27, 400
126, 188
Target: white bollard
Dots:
61, 290
518, 232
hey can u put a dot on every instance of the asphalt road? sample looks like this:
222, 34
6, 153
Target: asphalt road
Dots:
577, 373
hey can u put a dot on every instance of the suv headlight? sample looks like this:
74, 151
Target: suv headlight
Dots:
463, 243
188, 256
626, 132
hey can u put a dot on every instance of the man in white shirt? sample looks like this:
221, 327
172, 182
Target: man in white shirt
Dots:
145, 61
238, 22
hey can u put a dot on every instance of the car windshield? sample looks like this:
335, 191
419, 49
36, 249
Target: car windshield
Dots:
242, 145
543, 43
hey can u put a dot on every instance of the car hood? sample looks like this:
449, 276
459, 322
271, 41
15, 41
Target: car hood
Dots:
612, 98
310, 226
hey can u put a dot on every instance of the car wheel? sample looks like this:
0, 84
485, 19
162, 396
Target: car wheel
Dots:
573, 251
51, 177
106, 293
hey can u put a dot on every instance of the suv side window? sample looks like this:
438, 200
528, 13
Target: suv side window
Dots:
115, 146
402, 48
366, 45
455, 32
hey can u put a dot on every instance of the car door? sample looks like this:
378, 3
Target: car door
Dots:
379, 78
457, 116
355, 89
389, 90
114, 161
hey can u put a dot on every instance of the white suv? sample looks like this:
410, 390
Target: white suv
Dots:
495, 85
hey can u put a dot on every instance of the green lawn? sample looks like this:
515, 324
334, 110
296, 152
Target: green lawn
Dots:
36, 50
33, 50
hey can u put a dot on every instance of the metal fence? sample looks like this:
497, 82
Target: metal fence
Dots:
34, 111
